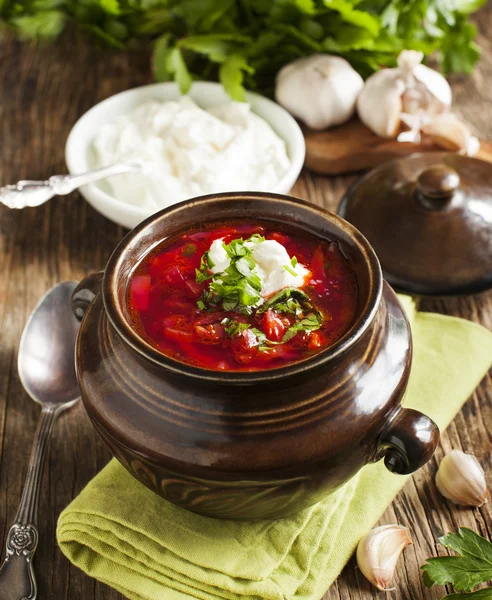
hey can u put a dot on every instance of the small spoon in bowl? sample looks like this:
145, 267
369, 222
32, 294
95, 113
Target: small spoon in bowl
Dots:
46, 365
34, 193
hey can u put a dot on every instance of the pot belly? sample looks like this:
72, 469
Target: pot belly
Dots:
244, 453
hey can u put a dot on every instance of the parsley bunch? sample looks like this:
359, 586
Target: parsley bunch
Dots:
472, 567
244, 43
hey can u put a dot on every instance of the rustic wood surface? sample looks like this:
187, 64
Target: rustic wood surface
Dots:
43, 92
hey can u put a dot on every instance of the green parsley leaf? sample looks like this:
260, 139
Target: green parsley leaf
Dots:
264, 344
45, 24
293, 261
162, 49
189, 250
231, 75
472, 567
201, 305
290, 333
200, 276
245, 265
110, 6
291, 271
176, 64
311, 322
239, 286
291, 300
485, 594
244, 43
233, 327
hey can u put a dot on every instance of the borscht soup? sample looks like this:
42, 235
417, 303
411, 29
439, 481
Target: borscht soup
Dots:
242, 296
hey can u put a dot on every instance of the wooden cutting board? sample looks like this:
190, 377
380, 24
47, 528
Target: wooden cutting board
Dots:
353, 147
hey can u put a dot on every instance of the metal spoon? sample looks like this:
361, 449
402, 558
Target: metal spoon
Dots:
46, 366
33, 193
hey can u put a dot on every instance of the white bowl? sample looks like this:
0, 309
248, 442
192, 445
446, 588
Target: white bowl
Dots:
79, 153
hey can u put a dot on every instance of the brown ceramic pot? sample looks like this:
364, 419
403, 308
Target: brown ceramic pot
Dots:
250, 445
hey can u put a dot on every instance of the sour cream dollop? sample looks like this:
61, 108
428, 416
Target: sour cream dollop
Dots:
270, 258
188, 151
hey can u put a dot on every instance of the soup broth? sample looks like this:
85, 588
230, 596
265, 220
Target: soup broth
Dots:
243, 296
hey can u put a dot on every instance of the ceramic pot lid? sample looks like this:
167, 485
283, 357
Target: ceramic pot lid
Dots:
429, 219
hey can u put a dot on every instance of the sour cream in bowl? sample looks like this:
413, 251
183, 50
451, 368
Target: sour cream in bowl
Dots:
189, 146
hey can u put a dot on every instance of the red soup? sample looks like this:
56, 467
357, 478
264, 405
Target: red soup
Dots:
243, 296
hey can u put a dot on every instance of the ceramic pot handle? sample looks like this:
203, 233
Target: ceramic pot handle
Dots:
409, 442
85, 293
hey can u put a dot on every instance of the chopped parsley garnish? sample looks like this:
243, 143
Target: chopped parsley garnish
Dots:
238, 287
311, 322
189, 249
291, 269
233, 327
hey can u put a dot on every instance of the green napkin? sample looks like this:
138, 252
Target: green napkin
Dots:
126, 536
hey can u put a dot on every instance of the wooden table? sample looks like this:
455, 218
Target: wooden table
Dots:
44, 91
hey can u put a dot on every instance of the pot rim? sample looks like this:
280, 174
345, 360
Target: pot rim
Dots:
140, 346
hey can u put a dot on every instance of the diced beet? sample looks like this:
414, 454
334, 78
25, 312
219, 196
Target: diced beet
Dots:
178, 335
281, 238
182, 304
173, 321
274, 326
209, 334
315, 340
140, 292
173, 275
194, 287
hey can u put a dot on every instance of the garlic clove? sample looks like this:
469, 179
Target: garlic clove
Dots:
379, 104
449, 132
409, 89
409, 62
320, 90
435, 83
461, 479
379, 551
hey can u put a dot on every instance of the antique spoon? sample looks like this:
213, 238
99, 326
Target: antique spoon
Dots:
46, 367
33, 193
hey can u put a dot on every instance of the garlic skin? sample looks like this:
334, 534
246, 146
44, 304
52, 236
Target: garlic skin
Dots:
320, 90
461, 479
410, 94
379, 551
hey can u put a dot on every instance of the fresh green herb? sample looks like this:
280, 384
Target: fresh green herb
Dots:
204, 273
189, 250
291, 300
311, 322
472, 567
244, 43
485, 594
201, 305
290, 270
264, 344
239, 286
233, 327
293, 261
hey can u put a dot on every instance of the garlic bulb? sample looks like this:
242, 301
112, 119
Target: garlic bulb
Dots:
411, 94
320, 90
379, 551
461, 479
446, 130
